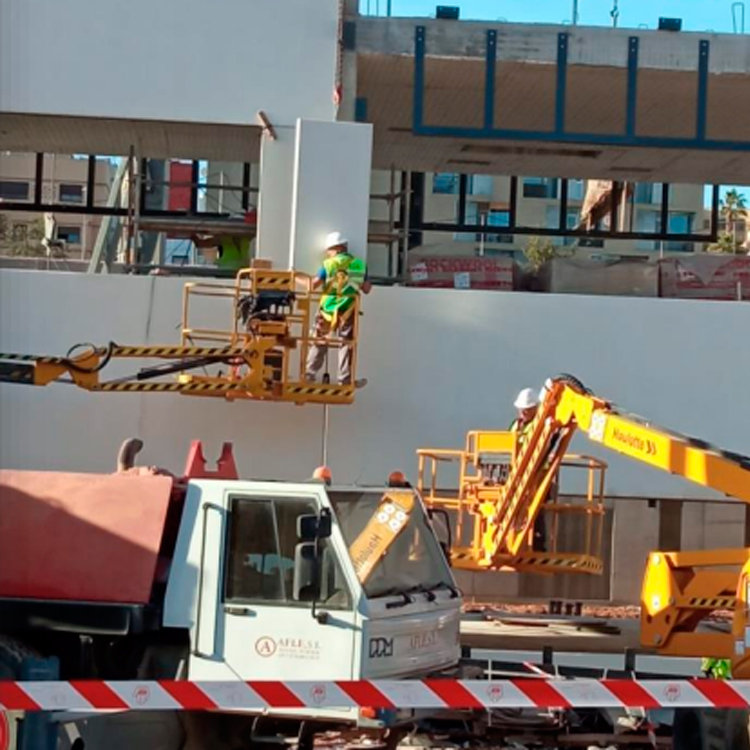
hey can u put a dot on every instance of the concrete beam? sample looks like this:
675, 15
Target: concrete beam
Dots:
518, 42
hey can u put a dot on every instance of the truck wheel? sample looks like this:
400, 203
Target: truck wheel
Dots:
711, 729
12, 655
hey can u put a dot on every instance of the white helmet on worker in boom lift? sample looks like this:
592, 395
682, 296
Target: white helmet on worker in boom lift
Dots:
526, 399
334, 240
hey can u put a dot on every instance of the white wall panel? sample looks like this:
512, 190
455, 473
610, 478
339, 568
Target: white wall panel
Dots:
439, 362
178, 60
332, 169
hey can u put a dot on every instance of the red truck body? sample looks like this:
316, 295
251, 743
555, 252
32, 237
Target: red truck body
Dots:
93, 537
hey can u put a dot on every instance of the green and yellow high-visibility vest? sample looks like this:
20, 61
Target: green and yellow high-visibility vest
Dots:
720, 669
345, 275
235, 253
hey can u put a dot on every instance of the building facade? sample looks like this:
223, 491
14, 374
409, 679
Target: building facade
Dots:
65, 182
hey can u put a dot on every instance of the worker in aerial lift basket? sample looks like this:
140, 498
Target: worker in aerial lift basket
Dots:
527, 404
342, 277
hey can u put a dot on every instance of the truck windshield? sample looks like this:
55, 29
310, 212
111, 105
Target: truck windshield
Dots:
413, 562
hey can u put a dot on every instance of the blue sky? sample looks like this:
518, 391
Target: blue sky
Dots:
696, 15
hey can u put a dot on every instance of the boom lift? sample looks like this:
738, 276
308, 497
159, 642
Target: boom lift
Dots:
680, 589
259, 355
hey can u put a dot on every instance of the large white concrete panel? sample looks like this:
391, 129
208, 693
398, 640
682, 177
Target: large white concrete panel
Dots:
439, 362
177, 60
332, 168
275, 198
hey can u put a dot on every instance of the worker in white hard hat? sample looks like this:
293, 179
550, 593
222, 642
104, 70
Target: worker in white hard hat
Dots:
527, 404
342, 277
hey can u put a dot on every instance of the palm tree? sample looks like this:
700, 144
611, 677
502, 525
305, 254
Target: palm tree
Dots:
725, 243
733, 208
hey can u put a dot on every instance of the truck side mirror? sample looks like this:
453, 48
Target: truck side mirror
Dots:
305, 586
311, 527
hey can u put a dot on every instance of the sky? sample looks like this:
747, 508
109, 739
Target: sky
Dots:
696, 15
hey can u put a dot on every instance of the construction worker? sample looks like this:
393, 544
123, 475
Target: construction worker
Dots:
398, 479
342, 277
322, 475
233, 251
527, 404
718, 669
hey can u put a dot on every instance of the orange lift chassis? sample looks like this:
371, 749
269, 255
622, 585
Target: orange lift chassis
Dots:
680, 589
259, 355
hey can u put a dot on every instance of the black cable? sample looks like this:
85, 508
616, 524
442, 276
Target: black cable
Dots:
106, 357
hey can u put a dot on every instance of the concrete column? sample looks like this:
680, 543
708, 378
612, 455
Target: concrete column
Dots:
670, 525
275, 199
332, 168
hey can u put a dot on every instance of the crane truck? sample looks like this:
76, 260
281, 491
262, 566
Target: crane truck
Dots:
505, 488
144, 575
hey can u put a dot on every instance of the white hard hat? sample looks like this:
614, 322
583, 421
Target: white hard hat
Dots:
526, 399
334, 239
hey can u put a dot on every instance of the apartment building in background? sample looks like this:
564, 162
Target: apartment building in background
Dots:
65, 183
483, 199
487, 203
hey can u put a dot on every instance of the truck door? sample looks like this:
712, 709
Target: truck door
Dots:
263, 632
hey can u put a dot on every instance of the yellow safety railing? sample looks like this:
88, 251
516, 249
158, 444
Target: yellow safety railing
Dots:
272, 348
574, 523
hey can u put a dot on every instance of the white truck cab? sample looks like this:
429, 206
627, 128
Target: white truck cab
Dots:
304, 582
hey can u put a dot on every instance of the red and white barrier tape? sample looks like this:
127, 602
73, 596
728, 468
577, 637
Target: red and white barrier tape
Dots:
381, 694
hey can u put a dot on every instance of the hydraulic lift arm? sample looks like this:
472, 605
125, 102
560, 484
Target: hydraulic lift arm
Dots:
680, 589
260, 355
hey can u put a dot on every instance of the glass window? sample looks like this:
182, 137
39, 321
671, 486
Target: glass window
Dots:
71, 235
552, 219
648, 192
679, 223
444, 183
472, 219
413, 560
70, 193
14, 191
498, 218
539, 187
575, 190
262, 538
647, 221
481, 184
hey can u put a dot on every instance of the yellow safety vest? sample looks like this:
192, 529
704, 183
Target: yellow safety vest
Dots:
235, 253
345, 274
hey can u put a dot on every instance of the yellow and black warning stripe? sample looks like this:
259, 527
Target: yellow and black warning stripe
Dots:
462, 555
136, 387
175, 351
33, 358
319, 390
561, 562
717, 602
547, 561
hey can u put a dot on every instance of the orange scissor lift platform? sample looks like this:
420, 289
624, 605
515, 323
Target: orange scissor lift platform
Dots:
259, 353
493, 513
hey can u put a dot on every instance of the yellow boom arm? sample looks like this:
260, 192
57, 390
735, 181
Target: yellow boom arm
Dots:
680, 589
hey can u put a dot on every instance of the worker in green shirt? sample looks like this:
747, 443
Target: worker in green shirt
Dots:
719, 669
233, 251
342, 277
